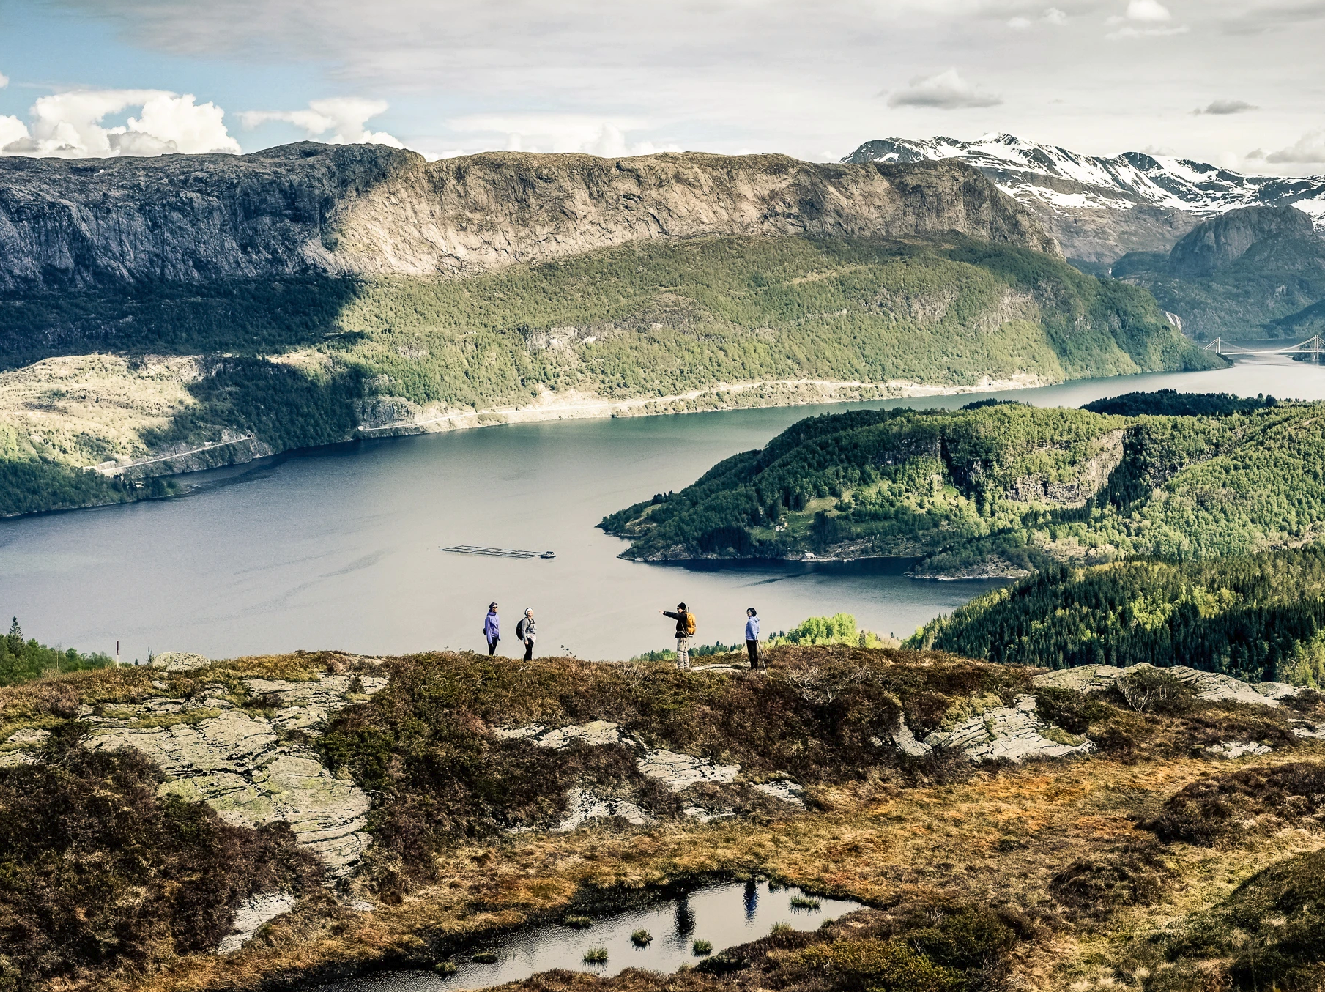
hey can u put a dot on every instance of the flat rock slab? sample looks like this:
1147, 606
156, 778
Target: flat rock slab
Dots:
783, 789
679, 771
585, 805
1210, 686
236, 763
906, 740
29, 737
306, 705
1233, 749
1011, 732
596, 733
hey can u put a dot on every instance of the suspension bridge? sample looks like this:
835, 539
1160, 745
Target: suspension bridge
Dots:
1312, 346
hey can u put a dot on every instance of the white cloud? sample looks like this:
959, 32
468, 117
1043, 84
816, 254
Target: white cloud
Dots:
559, 133
345, 118
12, 130
4, 80
1051, 16
1145, 19
945, 91
1147, 10
1310, 148
1222, 108
69, 125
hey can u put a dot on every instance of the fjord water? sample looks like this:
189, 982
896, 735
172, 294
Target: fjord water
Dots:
341, 547
724, 915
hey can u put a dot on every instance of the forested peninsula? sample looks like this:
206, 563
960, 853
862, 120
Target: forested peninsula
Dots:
159, 316
1004, 488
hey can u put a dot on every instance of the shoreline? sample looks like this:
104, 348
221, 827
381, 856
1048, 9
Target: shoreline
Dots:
759, 394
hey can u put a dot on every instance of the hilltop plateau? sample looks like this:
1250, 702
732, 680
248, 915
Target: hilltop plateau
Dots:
273, 821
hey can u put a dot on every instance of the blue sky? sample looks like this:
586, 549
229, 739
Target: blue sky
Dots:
813, 79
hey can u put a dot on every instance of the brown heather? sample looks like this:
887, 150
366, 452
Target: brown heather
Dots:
1048, 875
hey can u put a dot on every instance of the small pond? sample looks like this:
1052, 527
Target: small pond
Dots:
724, 915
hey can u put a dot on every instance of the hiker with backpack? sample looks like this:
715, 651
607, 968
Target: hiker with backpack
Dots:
685, 629
525, 632
752, 636
492, 629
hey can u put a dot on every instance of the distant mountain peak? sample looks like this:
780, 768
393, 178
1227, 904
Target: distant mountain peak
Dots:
1063, 179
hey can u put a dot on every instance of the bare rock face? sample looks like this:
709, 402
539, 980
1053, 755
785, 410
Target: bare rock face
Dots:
237, 762
310, 208
1217, 242
1209, 686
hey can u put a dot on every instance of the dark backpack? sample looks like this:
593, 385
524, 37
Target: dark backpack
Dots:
519, 631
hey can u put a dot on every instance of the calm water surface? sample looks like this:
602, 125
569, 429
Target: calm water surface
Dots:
724, 915
340, 548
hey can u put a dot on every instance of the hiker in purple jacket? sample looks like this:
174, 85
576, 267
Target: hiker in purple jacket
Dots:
492, 628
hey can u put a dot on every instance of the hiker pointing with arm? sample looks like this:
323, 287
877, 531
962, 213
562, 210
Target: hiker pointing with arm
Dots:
685, 629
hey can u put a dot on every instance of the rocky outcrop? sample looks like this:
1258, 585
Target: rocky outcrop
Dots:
239, 762
1209, 686
1010, 733
344, 210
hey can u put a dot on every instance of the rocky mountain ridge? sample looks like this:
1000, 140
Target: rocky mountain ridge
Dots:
310, 208
1102, 207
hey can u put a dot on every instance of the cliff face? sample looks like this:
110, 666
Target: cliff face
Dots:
360, 209
1227, 238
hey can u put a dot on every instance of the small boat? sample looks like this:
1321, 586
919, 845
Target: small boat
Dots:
548, 555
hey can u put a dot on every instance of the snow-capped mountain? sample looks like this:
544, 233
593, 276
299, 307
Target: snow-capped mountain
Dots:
1100, 208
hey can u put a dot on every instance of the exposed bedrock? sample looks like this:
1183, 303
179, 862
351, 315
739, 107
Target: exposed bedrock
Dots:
370, 210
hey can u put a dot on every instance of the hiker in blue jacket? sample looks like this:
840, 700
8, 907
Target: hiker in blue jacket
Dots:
492, 628
752, 636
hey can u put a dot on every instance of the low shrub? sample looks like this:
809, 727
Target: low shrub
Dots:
641, 938
1073, 711
702, 947
98, 872
596, 955
1259, 798
1265, 935
1132, 875
1146, 689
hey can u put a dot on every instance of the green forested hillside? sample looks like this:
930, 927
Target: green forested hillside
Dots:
1260, 617
993, 489
300, 362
